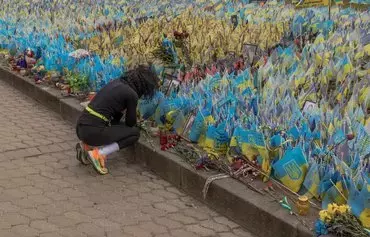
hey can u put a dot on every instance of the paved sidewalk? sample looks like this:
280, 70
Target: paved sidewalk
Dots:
45, 192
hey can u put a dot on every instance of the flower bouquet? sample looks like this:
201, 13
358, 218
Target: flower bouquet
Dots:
339, 221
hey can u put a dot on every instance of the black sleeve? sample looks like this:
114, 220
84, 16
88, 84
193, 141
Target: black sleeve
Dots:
131, 112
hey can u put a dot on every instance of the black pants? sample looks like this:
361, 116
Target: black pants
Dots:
99, 136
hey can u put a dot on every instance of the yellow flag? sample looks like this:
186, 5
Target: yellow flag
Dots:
318, 60
345, 91
323, 80
219, 7
312, 97
347, 69
209, 119
299, 81
116, 61
365, 217
326, 58
339, 97
359, 55
364, 95
363, 73
319, 39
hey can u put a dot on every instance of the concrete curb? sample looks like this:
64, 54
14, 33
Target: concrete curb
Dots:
254, 212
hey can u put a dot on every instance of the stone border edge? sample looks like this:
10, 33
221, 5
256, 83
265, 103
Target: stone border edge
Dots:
254, 212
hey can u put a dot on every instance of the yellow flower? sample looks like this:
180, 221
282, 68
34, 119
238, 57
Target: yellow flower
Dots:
343, 209
332, 208
325, 216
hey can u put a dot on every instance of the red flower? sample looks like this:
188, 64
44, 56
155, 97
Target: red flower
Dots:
350, 136
237, 164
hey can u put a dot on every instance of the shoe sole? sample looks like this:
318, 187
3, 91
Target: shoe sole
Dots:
84, 159
78, 152
84, 155
81, 155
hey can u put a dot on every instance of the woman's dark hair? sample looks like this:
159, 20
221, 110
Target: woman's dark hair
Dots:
143, 80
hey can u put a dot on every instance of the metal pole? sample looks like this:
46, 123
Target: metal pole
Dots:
329, 9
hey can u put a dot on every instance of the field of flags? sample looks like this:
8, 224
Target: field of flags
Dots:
286, 87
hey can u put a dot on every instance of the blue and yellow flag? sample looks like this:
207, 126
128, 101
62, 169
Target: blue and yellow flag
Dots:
335, 194
252, 144
291, 170
312, 181
217, 139
147, 107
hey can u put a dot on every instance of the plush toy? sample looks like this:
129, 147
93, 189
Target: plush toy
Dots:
29, 57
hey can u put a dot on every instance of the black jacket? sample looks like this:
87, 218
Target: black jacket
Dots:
111, 101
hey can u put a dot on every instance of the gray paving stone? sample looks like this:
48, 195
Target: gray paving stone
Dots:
152, 197
74, 215
50, 234
16, 219
223, 220
91, 229
210, 224
14, 193
63, 221
162, 235
117, 233
33, 213
4, 225
178, 203
31, 190
8, 233
166, 207
107, 224
153, 227
9, 207
43, 226
200, 230
71, 232
176, 191
165, 194
241, 232
227, 234
182, 218
154, 212
25, 230
137, 231
170, 224
183, 233
196, 214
